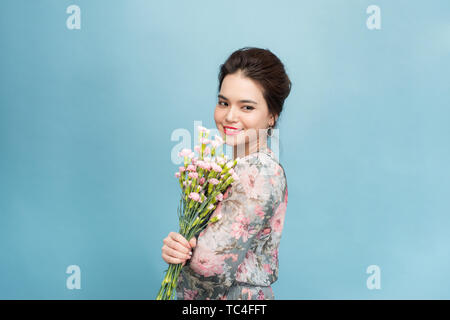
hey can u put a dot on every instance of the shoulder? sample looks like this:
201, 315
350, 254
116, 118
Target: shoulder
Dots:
260, 160
262, 164
260, 175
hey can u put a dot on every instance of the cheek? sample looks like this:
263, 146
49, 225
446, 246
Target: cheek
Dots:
250, 121
218, 115
257, 121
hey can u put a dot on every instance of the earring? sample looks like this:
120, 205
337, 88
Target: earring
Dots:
269, 131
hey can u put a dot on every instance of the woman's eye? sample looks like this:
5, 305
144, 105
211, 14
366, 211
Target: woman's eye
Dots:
248, 108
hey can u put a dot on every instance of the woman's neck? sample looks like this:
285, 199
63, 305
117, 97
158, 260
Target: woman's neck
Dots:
249, 149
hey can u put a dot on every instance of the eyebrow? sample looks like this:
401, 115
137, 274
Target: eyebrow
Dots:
244, 101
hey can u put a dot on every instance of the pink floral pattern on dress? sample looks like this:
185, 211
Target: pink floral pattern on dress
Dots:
277, 220
208, 263
259, 211
241, 228
189, 294
237, 257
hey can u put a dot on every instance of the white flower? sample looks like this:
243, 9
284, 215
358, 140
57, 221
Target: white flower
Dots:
202, 129
218, 139
185, 152
220, 160
229, 164
214, 144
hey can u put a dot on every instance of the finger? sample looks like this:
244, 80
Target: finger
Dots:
176, 254
169, 242
193, 242
172, 260
178, 247
179, 238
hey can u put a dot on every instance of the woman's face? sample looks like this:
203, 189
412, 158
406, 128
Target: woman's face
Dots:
241, 105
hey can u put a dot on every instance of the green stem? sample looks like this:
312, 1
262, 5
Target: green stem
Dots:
169, 283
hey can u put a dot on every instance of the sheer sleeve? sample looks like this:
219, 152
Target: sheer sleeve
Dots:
245, 218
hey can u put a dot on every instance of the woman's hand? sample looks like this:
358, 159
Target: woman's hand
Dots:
177, 249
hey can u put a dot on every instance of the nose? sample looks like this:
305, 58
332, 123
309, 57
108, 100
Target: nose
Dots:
231, 115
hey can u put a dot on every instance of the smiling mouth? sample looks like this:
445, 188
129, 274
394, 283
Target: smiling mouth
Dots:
231, 131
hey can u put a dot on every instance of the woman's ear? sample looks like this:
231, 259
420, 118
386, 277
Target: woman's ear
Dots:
273, 119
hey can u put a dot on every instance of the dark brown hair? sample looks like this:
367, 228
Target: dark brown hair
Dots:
264, 67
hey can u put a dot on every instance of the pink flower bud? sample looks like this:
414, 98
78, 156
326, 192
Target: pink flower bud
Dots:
202, 164
207, 165
194, 196
193, 175
213, 181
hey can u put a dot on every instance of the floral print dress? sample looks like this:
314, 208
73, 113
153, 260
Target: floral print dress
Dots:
237, 257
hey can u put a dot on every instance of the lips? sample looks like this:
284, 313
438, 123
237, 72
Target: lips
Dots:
231, 130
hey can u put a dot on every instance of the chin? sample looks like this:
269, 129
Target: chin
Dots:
239, 144
230, 142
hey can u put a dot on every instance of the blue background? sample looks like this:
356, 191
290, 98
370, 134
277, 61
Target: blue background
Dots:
86, 118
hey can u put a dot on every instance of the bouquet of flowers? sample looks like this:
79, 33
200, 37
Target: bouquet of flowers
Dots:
203, 180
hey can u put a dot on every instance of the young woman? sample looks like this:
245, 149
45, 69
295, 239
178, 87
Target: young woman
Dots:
237, 257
